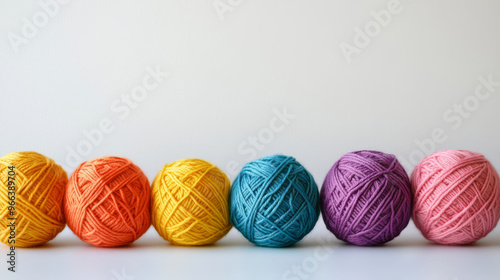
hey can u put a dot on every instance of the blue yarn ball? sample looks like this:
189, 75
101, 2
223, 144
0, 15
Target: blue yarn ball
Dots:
274, 201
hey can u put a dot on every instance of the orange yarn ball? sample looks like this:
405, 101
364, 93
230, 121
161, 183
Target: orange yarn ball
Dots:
37, 196
107, 202
456, 197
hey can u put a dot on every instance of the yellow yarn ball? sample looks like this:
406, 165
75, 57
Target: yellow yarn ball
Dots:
190, 204
39, 191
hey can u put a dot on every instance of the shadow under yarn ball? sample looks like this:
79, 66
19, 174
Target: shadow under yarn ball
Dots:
457, 197
366, 198
274, 201
39, 185
190, 203
107, 202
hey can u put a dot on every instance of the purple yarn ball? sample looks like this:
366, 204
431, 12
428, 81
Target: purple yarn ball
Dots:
366, 198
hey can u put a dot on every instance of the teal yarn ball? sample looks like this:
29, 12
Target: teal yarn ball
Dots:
274, 201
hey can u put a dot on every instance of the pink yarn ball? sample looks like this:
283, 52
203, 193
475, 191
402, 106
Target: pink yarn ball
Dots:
456, 197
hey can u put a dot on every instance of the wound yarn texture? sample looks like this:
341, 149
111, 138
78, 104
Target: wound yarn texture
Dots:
39, 195
274, 201
366, 198
107, 202
190, 202
456, 197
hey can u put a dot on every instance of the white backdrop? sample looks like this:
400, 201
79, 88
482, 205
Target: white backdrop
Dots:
230, 81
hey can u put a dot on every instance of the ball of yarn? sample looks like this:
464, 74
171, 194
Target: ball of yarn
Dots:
456, 197
274, 201
366, 198
190, 202
38, 196
107, 202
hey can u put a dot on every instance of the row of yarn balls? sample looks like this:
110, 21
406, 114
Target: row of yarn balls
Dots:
367, 198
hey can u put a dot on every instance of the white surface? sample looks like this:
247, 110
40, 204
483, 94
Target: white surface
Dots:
227, 79
318, 256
